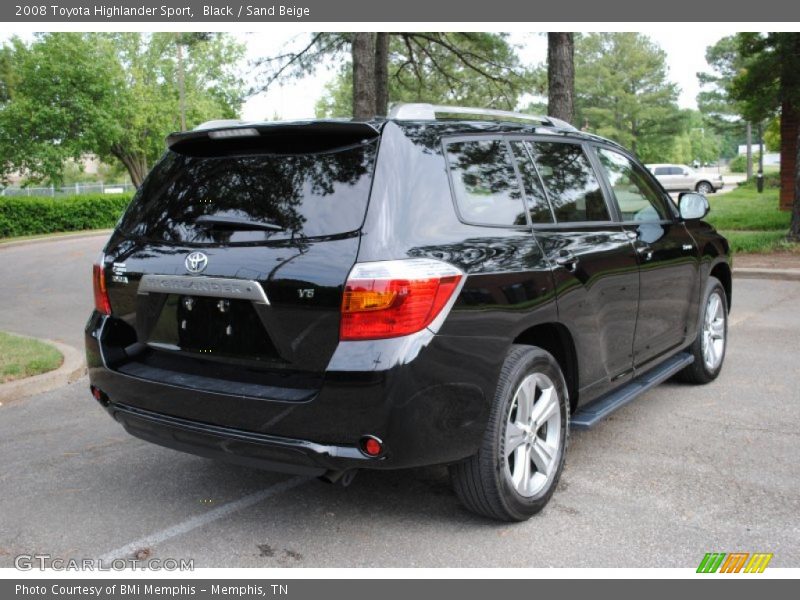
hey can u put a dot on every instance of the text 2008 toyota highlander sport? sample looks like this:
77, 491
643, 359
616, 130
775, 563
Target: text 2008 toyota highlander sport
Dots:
432, 288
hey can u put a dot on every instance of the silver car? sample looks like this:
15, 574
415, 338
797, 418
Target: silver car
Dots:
680, 178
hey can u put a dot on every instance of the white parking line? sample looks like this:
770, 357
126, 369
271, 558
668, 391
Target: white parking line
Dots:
204, 519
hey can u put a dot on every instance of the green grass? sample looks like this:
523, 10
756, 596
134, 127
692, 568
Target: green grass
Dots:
744, 209
751, 221
759, 242
22, 357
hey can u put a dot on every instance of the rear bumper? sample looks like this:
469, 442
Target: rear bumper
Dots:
233, 445
427, 399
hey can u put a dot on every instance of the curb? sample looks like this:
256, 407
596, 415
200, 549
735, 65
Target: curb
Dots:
56, 238
775, 274
70, 371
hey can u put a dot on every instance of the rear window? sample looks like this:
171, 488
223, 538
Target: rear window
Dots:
485, 183
300, 195
568, 177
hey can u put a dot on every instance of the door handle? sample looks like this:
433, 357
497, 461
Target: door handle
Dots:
645, 251
567, 260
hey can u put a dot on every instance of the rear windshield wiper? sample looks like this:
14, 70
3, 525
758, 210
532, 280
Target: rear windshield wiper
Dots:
237, 223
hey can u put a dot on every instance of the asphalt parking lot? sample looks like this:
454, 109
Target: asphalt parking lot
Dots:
679, 472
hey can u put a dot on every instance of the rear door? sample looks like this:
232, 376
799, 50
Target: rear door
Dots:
226, 272
666, 253
594, 264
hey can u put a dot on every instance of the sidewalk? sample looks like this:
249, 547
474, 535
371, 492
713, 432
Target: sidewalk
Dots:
784, 266
53, 237
778, 260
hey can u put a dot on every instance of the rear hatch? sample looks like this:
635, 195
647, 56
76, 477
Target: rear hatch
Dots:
226, 273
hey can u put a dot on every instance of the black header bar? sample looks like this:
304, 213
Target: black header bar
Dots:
361, 11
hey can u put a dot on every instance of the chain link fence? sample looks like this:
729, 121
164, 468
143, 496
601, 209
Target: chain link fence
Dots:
69, 190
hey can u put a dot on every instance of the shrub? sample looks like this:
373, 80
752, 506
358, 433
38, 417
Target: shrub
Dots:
739, 164
35, 215
772, 181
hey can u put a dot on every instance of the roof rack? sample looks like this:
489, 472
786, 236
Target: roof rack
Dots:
428, 112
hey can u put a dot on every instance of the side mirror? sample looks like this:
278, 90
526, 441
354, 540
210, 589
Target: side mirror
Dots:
693, 206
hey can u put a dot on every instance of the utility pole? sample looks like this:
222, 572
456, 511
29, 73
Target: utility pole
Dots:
749, 150
760, 177
181, 82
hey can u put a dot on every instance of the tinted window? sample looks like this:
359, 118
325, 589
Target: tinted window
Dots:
662, 171
535, 198
304, 195
676, 171
637, 199
485, 184
570, 182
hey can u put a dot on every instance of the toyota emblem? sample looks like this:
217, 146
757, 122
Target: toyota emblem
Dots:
196, 262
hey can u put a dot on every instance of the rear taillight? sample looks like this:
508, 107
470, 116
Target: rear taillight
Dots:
394, 298
101, 302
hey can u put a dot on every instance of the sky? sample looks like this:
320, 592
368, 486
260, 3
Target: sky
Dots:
685, 46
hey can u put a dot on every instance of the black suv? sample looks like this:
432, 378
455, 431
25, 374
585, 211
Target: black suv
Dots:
431, 288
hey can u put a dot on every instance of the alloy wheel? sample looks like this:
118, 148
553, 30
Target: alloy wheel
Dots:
533, 436
714, 332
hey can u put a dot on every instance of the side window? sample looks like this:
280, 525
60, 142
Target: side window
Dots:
535, 198
486, 187
570, 182
662, 171
677, 171
637, 199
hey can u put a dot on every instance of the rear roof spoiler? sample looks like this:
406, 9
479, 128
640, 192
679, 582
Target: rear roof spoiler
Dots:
230, 130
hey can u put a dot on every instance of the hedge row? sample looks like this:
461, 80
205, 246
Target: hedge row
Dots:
35, 215
772, 180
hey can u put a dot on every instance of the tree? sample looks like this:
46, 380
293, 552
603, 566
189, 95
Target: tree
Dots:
364, 76
772, 135
696, 142
721, 111
381, 73
181, 40
561, 76
770, 83
113, 95
477, 68
623, 92
6, 74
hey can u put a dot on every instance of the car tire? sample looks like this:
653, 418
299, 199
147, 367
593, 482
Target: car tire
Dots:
530, 412
704, 187
711, 342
